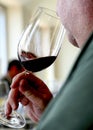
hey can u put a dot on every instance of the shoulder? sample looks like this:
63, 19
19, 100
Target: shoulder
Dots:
72, 108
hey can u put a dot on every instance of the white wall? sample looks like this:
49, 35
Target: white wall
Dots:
15, 27
65, 60
3, 40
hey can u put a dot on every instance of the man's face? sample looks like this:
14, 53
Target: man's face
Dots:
67, 15
77, 18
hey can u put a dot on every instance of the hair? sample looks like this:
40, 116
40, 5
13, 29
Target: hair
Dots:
14, 62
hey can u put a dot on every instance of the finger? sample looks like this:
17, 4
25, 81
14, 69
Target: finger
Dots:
31, 113
40, 96
32, 116
16, 80
8, 109
13, 98
27, 76
24, 101
30, 93
35, 99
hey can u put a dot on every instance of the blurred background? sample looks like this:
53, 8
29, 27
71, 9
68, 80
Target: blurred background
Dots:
14, 16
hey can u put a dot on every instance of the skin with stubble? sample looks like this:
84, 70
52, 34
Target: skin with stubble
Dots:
77, 18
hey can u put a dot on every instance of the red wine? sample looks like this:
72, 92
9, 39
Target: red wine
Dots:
38, 64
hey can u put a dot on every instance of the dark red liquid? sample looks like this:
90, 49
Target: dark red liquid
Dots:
38, 64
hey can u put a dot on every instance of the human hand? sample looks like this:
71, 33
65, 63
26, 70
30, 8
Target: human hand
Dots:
31, 92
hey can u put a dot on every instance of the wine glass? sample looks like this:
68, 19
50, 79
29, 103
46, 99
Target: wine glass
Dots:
38, 48
41, 41
15, 120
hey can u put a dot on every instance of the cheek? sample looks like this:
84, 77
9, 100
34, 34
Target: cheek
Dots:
59, 7
61, 11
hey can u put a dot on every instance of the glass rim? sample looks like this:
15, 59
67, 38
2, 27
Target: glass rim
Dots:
49, 11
